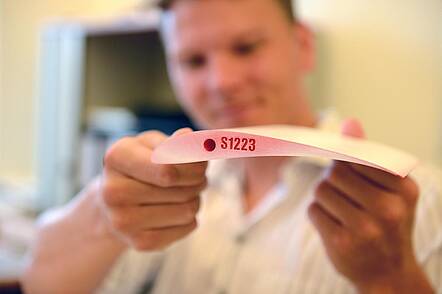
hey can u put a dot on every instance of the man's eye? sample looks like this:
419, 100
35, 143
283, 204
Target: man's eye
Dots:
245, 49
195, 61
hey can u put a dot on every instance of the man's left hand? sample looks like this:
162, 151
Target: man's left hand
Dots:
365, 218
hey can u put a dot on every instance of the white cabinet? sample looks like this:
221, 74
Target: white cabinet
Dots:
86, 64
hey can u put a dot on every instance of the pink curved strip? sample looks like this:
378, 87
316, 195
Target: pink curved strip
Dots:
281, 140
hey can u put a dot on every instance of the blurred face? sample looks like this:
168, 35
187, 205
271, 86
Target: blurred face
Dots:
237, 62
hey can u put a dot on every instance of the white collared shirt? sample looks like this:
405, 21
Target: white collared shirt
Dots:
274, 249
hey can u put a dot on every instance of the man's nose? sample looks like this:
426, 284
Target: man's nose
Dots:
225, 75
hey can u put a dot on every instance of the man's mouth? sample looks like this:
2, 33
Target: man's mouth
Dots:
238, 113
235, 110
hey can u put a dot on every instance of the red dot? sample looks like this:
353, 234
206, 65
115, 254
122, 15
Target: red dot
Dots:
209, 145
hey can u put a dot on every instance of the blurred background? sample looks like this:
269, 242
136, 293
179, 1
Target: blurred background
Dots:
76, 75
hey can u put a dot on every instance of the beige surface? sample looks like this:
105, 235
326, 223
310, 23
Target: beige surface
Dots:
382, 62
20, 22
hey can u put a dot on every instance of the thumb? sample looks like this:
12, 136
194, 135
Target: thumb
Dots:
181, 131
353, 128
153, 138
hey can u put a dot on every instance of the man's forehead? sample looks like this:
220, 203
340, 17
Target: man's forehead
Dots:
193, 13
191, 20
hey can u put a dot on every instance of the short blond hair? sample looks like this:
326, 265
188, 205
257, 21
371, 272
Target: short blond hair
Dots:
286, 5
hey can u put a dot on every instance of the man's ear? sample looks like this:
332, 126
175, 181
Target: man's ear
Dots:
305, 41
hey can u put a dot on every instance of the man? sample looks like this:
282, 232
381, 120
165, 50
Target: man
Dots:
239, 63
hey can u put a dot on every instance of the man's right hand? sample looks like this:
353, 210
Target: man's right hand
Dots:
147, 205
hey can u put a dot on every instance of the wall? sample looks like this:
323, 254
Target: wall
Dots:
382, 62
20, 25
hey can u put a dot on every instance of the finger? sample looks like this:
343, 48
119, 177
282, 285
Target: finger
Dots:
124, 191
131, 158
355, 187
352, 128
341, 208
189, 171
158, 239
135, 218
192, 173
182, 131
326, 225
151, 139
386, 180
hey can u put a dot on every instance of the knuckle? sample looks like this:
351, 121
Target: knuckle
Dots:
184, 197
111, 155
144, 242
321, 190
201, 169
197, 205
151, 133
189, 197
334, 173
342, 243
109, 195
197, 167
413, 197
412, 190
187, 228
120, 222
200, 186
196, 190
313, 210
369, 231
190, 227
193, 225
201, 182
392, 212
189, 211
167, 175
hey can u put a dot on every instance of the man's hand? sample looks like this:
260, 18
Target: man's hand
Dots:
365, 219
147, 205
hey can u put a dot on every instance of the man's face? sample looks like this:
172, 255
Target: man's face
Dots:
236, 62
